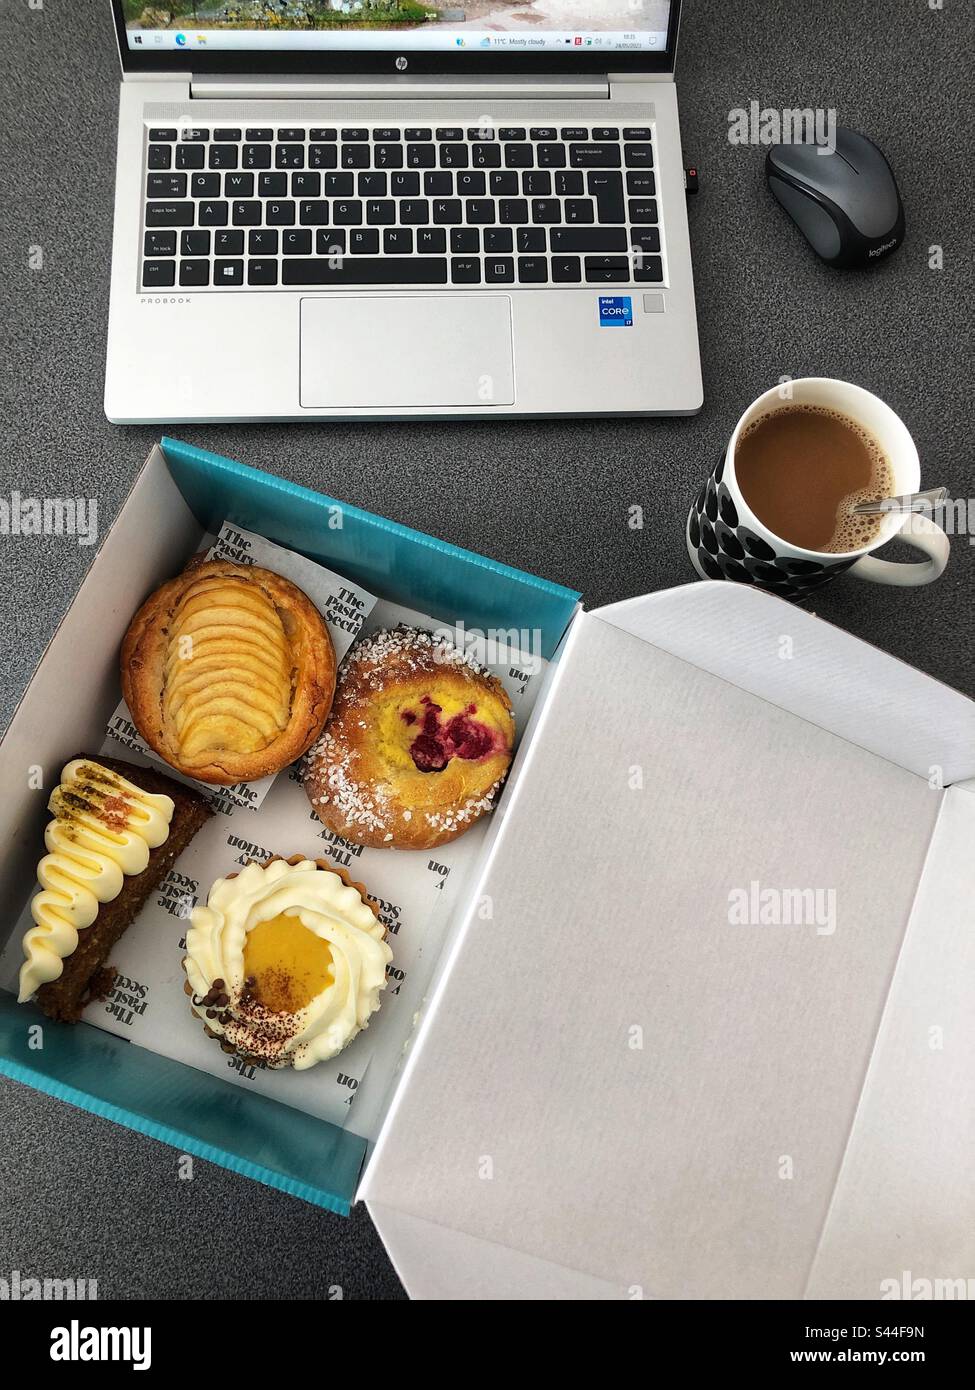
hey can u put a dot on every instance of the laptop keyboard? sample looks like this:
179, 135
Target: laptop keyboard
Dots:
332, 207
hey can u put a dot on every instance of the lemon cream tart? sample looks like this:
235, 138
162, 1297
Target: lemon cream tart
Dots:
116, 828
228, 672
286, 962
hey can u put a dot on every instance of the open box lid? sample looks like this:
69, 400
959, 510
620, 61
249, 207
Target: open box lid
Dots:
630, 1080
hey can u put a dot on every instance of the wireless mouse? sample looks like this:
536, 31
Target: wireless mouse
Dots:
845, 201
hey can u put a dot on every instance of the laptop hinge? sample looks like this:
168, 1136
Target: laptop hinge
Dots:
238, 87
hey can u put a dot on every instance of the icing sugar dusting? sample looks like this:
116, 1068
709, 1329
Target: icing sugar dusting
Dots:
413, 647
472, 808
359, 803
330, 767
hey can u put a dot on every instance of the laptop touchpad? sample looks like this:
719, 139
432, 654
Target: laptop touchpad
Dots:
390, 352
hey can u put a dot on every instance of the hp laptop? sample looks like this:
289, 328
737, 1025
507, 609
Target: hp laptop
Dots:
343, 209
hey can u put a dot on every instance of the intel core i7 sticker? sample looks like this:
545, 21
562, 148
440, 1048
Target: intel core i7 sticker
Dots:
615, 311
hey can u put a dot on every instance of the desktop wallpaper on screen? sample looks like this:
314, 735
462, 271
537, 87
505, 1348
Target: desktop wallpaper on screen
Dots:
614, 24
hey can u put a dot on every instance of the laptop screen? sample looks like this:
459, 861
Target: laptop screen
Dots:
502, 27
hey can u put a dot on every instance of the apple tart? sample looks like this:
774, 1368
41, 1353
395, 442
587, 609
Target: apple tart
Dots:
228, 672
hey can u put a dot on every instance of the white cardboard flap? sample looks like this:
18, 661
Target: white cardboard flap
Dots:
903, 1219
795, 660
614, 1076
442, 1264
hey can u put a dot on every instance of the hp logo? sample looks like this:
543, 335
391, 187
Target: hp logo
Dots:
401, 64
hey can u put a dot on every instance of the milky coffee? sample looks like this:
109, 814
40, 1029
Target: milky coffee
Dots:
803, 468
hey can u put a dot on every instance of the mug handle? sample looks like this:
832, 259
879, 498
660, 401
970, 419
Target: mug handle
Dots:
925, 535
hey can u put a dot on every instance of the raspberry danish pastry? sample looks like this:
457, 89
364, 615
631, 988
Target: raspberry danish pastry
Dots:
417, 746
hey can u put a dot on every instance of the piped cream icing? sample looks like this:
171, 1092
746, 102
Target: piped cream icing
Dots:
103, 829
216, 943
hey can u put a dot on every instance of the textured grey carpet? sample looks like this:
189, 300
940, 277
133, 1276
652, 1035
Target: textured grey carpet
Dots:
83, 1197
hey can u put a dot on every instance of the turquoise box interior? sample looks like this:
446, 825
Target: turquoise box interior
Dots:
201, 1114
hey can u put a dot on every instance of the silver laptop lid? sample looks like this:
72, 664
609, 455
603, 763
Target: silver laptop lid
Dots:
408, 37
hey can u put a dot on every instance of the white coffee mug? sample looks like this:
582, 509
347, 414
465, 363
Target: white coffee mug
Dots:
726, 540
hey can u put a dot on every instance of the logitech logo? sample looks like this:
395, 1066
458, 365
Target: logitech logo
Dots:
882, 250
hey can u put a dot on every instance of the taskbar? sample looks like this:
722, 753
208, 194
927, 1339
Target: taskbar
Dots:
426, 39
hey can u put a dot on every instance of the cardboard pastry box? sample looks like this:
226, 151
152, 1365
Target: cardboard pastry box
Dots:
699, 1022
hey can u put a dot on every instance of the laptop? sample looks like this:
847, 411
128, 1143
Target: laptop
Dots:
375, 209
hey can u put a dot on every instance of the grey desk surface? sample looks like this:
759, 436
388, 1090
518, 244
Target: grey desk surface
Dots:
84, 1198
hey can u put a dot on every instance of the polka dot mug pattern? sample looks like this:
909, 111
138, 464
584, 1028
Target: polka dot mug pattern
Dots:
726, 540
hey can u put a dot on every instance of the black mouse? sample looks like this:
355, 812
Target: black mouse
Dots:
845, 201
